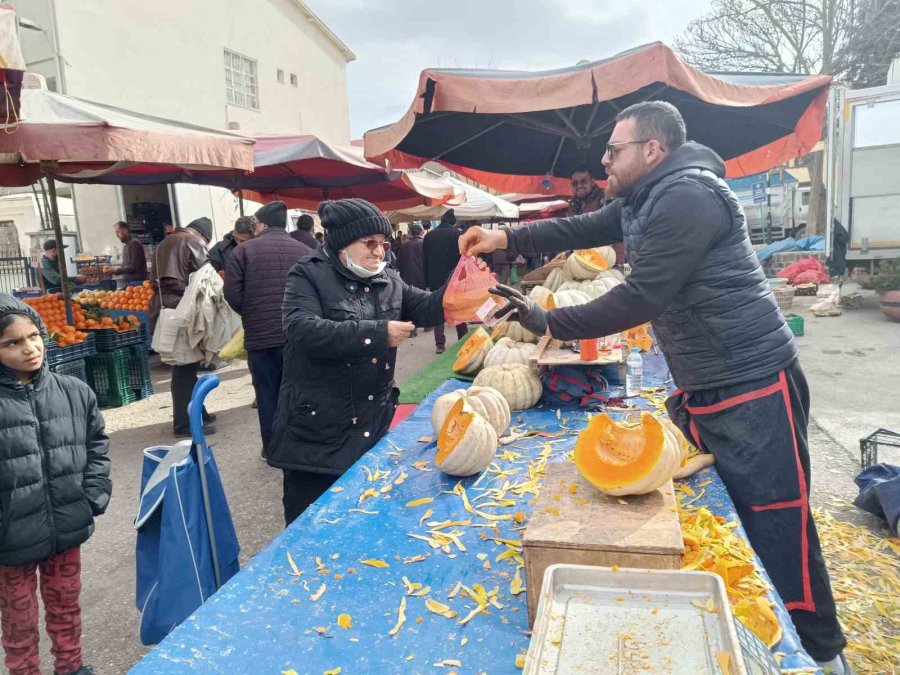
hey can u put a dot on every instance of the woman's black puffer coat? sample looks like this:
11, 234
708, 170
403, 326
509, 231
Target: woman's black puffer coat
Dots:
337, 394
54, 468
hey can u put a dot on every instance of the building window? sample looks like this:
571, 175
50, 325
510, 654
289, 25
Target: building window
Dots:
280, 76
804, 198
294, 80
240, 81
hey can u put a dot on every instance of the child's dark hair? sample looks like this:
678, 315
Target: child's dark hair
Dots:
7, 319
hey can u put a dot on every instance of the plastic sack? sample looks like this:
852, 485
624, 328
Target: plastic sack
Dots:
467, 291
235, 348
819, 276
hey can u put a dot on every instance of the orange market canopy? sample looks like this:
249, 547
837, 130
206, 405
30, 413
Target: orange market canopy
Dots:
527, 131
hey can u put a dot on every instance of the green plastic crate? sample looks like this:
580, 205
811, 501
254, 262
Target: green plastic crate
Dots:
110, 377
795, 323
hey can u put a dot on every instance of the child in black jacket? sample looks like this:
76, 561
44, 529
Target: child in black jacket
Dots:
54, 479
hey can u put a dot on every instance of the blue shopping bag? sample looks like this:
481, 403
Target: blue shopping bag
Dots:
175, 573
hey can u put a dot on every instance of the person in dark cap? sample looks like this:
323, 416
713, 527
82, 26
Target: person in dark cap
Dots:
178, 256
304, 232
244, 230
254, 287
440, 256
50, 267
344, 316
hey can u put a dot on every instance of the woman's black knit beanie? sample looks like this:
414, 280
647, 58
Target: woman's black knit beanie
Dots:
347, 220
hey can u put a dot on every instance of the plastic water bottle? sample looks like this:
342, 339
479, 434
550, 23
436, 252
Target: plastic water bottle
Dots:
634, 373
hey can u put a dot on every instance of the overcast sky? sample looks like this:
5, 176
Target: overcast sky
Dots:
394, 40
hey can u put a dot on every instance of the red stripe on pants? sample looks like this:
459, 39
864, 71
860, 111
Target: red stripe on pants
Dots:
808, 603
60, 585
780, 387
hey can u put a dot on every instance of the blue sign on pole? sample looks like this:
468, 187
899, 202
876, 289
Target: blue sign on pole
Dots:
759, 192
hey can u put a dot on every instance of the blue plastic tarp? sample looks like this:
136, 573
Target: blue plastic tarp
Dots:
273, 616
173, 555
816, 243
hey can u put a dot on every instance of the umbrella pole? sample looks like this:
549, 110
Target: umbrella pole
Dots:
48, 168
241, 202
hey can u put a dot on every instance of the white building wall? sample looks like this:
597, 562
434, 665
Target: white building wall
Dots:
166, 58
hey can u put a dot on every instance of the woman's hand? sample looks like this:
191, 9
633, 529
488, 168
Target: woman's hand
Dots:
398, 331
477, 240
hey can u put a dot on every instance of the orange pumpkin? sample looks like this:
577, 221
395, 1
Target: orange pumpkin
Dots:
621, 459
472, 354
639, 337
466, 443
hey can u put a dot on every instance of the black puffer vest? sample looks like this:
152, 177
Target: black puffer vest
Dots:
724, 326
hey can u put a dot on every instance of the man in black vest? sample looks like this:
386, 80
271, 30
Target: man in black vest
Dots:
741, 393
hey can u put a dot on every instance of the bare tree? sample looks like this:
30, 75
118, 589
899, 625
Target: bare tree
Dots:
853, 40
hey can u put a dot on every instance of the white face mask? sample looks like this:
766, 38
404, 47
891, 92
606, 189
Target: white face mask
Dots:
359, 270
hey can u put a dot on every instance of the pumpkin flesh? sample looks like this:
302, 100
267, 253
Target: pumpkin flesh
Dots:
471, 355
626, 460
454, 429
466, 443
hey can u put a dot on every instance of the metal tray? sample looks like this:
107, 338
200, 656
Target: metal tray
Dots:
628, 621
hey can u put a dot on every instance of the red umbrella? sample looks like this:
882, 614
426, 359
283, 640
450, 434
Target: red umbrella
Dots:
300, 170
527, 132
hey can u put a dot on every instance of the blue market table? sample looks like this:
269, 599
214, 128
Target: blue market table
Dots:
353, 552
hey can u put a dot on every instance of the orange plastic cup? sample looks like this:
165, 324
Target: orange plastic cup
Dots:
590, 349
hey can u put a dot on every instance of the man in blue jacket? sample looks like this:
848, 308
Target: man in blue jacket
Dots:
741, 392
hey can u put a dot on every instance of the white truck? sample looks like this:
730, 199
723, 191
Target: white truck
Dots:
863, 171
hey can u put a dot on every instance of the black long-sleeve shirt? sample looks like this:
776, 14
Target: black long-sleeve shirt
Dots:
685, 222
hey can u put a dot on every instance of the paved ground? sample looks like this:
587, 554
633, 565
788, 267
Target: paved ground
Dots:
851, 362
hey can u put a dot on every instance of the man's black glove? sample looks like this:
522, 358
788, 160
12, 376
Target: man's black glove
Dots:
527, 311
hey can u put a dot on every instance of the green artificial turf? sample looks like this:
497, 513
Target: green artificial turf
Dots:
430, 376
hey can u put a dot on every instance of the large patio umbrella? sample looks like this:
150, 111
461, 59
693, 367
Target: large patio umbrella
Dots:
526, 132
301, 170
475, 204
59, 136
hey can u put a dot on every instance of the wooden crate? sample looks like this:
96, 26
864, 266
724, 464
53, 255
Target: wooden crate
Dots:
572, 522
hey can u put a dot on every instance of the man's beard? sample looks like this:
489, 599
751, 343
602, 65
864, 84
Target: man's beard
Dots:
619, 186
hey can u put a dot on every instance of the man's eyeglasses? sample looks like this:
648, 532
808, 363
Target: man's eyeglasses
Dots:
373, 244
581, 181
613, 147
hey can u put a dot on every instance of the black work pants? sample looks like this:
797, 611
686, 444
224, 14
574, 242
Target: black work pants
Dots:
440, 339
265, 370
183, 380
757, 433
302, 488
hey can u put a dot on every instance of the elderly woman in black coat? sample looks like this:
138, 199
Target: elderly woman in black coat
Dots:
344, 316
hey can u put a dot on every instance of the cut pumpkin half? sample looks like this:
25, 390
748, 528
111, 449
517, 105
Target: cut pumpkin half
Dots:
619, 459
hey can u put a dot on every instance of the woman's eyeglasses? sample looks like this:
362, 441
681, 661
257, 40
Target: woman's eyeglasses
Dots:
374, 244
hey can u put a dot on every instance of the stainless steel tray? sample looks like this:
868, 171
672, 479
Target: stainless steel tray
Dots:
628, 621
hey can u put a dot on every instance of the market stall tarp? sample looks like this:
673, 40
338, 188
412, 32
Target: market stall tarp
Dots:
90, 140
476, 204
352, 553
279, 161
527, 131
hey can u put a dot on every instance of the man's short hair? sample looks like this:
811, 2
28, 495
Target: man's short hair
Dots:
582, 168
305, 222
657, 120
245, 225
123, 225
415, 229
